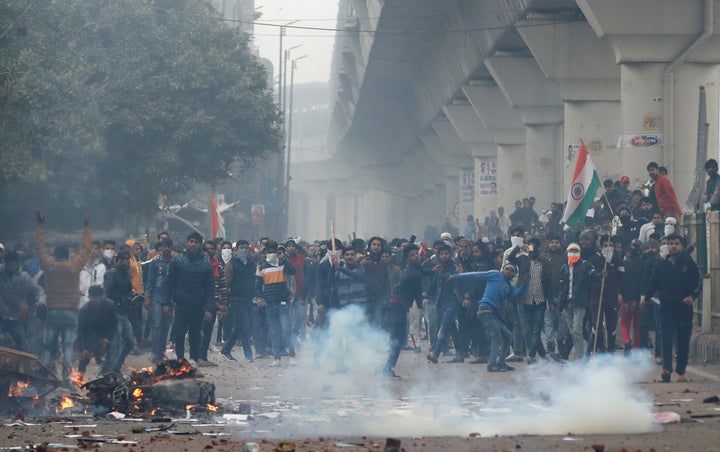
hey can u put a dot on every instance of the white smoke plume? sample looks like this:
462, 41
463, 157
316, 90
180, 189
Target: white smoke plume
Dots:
590, 397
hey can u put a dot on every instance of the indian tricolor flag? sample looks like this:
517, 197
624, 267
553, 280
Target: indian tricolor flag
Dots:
582, 191
217, 225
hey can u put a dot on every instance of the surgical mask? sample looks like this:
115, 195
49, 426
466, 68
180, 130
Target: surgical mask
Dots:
242, 254
272, 259
516, 241
109, 254
226, 255
669, 229
664, 251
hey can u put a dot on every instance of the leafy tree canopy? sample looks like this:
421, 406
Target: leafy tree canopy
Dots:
109, 103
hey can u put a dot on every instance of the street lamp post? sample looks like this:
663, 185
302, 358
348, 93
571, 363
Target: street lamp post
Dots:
289, 132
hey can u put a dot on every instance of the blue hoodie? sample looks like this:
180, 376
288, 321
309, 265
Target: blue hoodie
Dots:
497, 289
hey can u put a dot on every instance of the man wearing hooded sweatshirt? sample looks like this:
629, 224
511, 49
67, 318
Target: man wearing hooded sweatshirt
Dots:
62, 279
676, 280
576, 281
498, 288
442, 290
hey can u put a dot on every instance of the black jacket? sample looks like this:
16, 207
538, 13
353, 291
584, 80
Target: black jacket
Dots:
675, 281
584, 275
190, 283
118, 288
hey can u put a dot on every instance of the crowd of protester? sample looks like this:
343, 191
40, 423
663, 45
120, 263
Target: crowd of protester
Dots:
518, 287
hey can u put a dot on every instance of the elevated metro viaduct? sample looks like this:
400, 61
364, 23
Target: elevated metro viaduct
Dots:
436, 100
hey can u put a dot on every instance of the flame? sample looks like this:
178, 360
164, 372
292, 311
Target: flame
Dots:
36, 400
16, 389
212, 407
153, 412
189, 407
65, 403
77, 378
137, 393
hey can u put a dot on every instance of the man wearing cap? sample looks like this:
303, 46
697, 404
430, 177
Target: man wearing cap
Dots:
625, 193
498, 288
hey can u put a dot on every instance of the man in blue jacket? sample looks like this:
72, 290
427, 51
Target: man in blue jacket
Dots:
498, 289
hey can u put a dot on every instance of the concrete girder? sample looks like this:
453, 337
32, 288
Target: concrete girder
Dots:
467, 123
570, 54
458, 152
526, 88
646, 31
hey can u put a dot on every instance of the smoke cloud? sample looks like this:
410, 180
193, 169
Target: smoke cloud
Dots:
337, 390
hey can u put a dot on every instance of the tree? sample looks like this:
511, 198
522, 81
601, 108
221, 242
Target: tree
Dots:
109, 104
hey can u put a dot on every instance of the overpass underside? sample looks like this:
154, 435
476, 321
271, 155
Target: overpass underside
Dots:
444, 109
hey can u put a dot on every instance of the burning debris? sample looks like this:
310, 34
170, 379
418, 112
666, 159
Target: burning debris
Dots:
170, 387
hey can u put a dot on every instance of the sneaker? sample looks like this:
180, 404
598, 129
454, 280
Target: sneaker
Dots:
389, 373
193, 363
479, 361
665, 376
457, 359
227, 356
275, 363
506, 368
681, 379
495, 368
432, 358
248, 360
513, 358
628, 348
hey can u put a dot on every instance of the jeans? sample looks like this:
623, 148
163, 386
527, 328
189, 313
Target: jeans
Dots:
448, 313
512, 308
395, 324
207, 328
432, 320
498, 333
677, 320
658, 329
575, 317
533, 319
299, 319
16, 330
160, 329
61, 324
278, 318
260, 330
120, 346
551, 328
187, 322
417, 312
237, 324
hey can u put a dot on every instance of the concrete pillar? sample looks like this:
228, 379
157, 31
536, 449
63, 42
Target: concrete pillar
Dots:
506, 125
666, 50
539, 102
584, 68
471, 131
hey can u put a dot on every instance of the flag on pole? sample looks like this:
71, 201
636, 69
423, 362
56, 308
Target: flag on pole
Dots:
217, 224
584, 186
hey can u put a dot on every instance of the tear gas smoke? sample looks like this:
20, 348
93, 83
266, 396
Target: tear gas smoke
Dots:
340, 392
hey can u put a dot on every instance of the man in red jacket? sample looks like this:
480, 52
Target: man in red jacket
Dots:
664, 192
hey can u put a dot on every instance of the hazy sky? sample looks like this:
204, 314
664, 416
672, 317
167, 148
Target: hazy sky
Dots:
316, 44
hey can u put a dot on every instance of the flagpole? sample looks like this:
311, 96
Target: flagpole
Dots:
604, 275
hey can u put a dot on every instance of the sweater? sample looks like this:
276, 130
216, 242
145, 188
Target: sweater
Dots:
190, 283
62, 277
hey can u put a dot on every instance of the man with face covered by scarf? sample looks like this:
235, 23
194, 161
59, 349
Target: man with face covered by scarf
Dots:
576, 279
612, 267
634, 264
